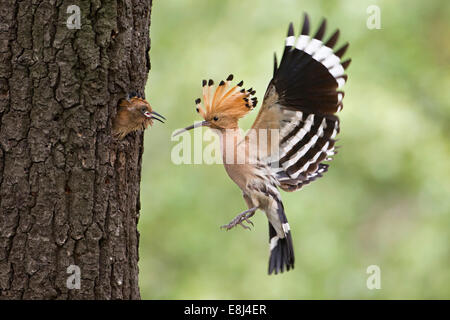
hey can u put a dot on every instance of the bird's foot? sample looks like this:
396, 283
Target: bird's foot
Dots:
240, 218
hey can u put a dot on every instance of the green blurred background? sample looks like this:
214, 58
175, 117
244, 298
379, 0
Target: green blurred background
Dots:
386, 198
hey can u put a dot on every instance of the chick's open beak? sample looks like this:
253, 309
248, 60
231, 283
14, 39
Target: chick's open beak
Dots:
195, 125
154, 115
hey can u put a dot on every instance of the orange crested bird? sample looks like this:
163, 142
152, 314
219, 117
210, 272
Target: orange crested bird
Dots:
299, 108
134, 114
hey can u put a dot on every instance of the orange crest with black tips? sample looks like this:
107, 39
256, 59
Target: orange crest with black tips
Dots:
232, 102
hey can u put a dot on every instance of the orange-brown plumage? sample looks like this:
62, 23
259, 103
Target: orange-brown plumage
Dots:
134, 114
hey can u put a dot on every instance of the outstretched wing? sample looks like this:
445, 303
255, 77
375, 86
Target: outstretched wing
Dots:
300, 103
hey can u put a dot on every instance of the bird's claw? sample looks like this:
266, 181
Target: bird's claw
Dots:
244, 216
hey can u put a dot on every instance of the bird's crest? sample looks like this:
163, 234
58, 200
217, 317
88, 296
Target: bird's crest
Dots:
133, 99
233, 101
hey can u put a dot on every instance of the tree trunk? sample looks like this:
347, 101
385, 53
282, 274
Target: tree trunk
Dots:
69, 192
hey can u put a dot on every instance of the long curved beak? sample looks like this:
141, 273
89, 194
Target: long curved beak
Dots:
154, 115
195, 125
157, 114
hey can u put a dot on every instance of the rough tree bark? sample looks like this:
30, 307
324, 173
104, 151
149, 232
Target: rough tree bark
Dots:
69, 193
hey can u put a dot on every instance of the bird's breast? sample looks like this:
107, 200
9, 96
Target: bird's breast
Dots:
241, 174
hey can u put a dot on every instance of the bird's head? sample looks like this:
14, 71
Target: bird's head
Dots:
223, 107
134, 114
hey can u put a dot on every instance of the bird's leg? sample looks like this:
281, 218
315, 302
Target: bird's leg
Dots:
240, 218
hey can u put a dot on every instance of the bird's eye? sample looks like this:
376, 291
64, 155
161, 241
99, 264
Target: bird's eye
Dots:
144, 109
216, 118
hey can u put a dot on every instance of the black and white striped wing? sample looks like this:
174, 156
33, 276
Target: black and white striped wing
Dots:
301, 101
304, 145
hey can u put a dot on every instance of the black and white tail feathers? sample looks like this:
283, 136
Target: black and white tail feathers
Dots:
307, 84
281, 248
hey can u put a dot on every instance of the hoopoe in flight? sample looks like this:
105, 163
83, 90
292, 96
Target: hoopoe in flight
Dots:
299, 104
134, 114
